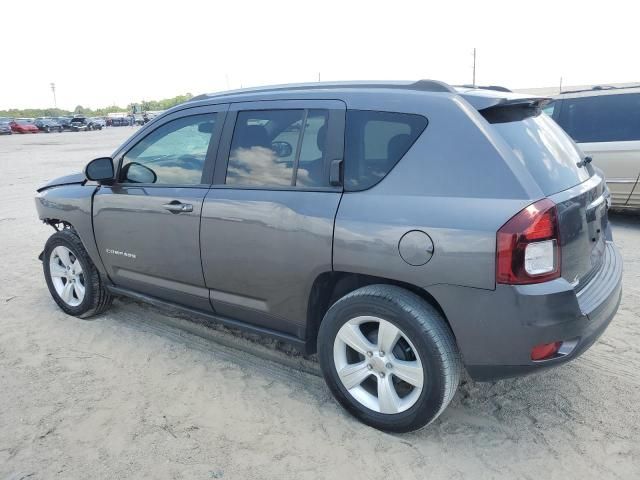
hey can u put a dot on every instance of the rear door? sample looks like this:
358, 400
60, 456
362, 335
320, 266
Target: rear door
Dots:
147, 225
607, 128
267, 223
578, 191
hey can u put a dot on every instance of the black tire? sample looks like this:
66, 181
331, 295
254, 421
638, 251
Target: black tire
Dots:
97, 299
425, 328
47, 129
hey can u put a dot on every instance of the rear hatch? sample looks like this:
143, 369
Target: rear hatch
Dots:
558, 167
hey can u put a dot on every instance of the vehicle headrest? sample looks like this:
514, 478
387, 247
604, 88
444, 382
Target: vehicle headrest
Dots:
253, 136
322, 138
397, 145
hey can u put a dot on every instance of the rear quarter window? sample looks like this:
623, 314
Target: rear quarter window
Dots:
544, 149
375, 142
602, 118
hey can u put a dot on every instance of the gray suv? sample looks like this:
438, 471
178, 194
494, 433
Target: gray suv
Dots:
403, 231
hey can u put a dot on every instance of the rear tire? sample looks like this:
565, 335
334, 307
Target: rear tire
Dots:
73, 280
398, 362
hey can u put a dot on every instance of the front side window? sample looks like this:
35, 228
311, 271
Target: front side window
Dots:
279, 148
173, 154
375, 142
602, 118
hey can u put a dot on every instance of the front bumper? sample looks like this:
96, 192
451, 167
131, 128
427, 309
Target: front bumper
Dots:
496, 330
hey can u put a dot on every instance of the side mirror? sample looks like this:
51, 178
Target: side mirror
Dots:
137, 173
282, 149
204, 127
100, 170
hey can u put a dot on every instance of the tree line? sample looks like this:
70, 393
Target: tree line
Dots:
145, 105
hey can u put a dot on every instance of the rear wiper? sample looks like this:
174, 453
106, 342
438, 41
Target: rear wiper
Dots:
584, 162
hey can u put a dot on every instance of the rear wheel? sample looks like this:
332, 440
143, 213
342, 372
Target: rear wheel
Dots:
389, 358
72, 278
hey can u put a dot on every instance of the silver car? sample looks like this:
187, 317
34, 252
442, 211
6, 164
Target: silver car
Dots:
403, 231
5, 127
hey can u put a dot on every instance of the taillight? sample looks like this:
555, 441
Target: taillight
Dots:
528, 246
545, 351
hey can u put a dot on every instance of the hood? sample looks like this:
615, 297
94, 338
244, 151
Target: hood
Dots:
76, 178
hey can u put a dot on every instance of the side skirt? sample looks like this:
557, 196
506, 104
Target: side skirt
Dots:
228, 322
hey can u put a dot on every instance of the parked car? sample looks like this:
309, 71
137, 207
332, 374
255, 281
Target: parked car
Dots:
47, 125
79, 124
118, 121
5, 127
96, 123
22, 125
407, 231
605, 123
65, 123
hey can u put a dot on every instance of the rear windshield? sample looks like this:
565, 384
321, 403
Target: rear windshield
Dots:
544, 149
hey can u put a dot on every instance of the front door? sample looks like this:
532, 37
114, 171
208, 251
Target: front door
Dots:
147, 224
267, 223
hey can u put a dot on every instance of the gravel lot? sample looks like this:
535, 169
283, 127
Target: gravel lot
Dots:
130, 394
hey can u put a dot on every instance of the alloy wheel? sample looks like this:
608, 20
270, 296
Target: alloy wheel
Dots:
67, 276
378, 365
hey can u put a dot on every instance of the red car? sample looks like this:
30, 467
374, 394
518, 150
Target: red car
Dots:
22, 126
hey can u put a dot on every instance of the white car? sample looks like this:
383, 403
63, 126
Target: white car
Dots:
605, 123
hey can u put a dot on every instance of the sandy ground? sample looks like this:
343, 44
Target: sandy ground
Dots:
132, 395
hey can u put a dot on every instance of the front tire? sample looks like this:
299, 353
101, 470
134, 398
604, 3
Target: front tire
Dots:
389, 358
73, 280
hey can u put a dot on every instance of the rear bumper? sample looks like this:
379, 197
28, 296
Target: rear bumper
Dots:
496, 330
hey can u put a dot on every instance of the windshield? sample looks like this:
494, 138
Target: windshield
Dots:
545, 150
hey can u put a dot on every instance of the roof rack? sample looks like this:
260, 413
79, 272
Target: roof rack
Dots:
420, 85
600, 87
497, 88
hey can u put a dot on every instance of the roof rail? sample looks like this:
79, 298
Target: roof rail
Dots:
600, 87
420, 85
497, 88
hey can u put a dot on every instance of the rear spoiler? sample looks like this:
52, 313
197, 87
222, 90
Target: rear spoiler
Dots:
512, 109
484, 99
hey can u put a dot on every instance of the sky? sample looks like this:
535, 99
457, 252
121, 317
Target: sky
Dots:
118, 52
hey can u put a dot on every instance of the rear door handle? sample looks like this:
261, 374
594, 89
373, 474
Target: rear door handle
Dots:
178, 207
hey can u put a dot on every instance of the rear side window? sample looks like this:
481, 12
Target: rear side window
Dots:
279, 148
602, 118
543, 148
375, 142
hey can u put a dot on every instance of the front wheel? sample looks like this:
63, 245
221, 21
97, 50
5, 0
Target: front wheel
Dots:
389, 358
72, 278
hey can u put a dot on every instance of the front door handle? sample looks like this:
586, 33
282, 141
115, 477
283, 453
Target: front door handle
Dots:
178, 207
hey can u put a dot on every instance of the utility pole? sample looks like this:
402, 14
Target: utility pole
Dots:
53, 89
560, 84
474, 67
318, 76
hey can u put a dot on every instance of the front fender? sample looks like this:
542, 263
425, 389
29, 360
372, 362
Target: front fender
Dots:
72, 204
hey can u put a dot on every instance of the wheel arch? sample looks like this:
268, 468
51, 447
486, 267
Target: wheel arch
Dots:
329, 287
